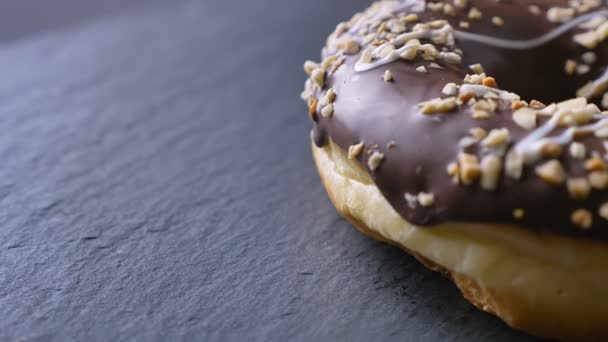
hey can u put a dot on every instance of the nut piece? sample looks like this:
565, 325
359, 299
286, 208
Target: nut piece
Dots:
355, 150
426, 199
489, 82
421, 69
598, 180
309, 67
579, 188
474, 14
578, 150
450, 89
349, 46
525, 118
534, 9
551, 172
478, 133
312, 109
595, 164
412, 200
318, 77
514, 164
498, 21
469, 168
589, 57
328, 111
450, 57
582, 218
438, 105
491, 166
330, 97
519, 213
560, 15
551, 150
603, 211
496, 138
375, 160
388, 76
476, 68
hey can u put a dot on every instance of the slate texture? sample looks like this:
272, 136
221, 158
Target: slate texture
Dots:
156, 184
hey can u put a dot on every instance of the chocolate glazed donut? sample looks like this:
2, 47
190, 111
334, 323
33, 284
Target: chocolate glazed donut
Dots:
473, 113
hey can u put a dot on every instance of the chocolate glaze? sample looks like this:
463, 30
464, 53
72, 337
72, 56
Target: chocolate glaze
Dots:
370, 110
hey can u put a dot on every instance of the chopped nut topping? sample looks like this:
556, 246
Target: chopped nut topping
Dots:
474, 14
605, 100
388, 76
470, 169
579, 188
375, 160
551, 150
460, 3
318, 77
537, 104
603, 211
489, 82
570, 66
479, 114
328, 111
497, 137
449, 10
551, 172
491, 166
450, 57
453, 171
525, 118
349, 46
515, 105
478, 133
312, 109
435, 66
589, 57
582, 69
578, 150
598, 180
465, 97
438, 105
588, 39
464, 24
560, 15
386, 50
595, 164
412, 200
450, 89
497, 21
534, 9
421, 69
330, 97
514, 164
582, 218
355, 150
366, 57
435, 6
411, 18
426, 199
328, 61
410, 53
309, 67
474, 79
519, 213
476, 68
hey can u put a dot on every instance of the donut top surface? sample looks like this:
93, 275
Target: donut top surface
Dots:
474, 111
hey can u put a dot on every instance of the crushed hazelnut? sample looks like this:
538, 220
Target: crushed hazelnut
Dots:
328, 61
478, 133
309, 67
318, 77
514, 164
489, 82
330, 97
460, 3
551, 150
595, 164
465, 97
525, 118
587, 39
582, 69
537, 104
470, 169
464, 24
560, 14
515, 105
598, 179
534, 9
349, 46
570, 66
476, 68
491, 166
578, 150
386, 50
375, 160
519, 213
435, 6
480, 114
438, 105
450, 89
421, 69
312, 109
426, 199
582, 218
412, 200
589, 57
474, 14
355, 150
603, 211
450, 57
411, 18
551, 172
579, 188
366, 57
388, 76
328, 111
498, 21
496, 137
449, 10
453, 171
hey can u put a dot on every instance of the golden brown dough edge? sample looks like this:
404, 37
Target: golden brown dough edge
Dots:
560, 319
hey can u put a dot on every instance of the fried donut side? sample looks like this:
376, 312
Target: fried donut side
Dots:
542, 283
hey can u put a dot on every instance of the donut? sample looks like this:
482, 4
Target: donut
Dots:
473, 134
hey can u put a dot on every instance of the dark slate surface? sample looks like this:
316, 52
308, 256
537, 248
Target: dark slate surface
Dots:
157, 184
